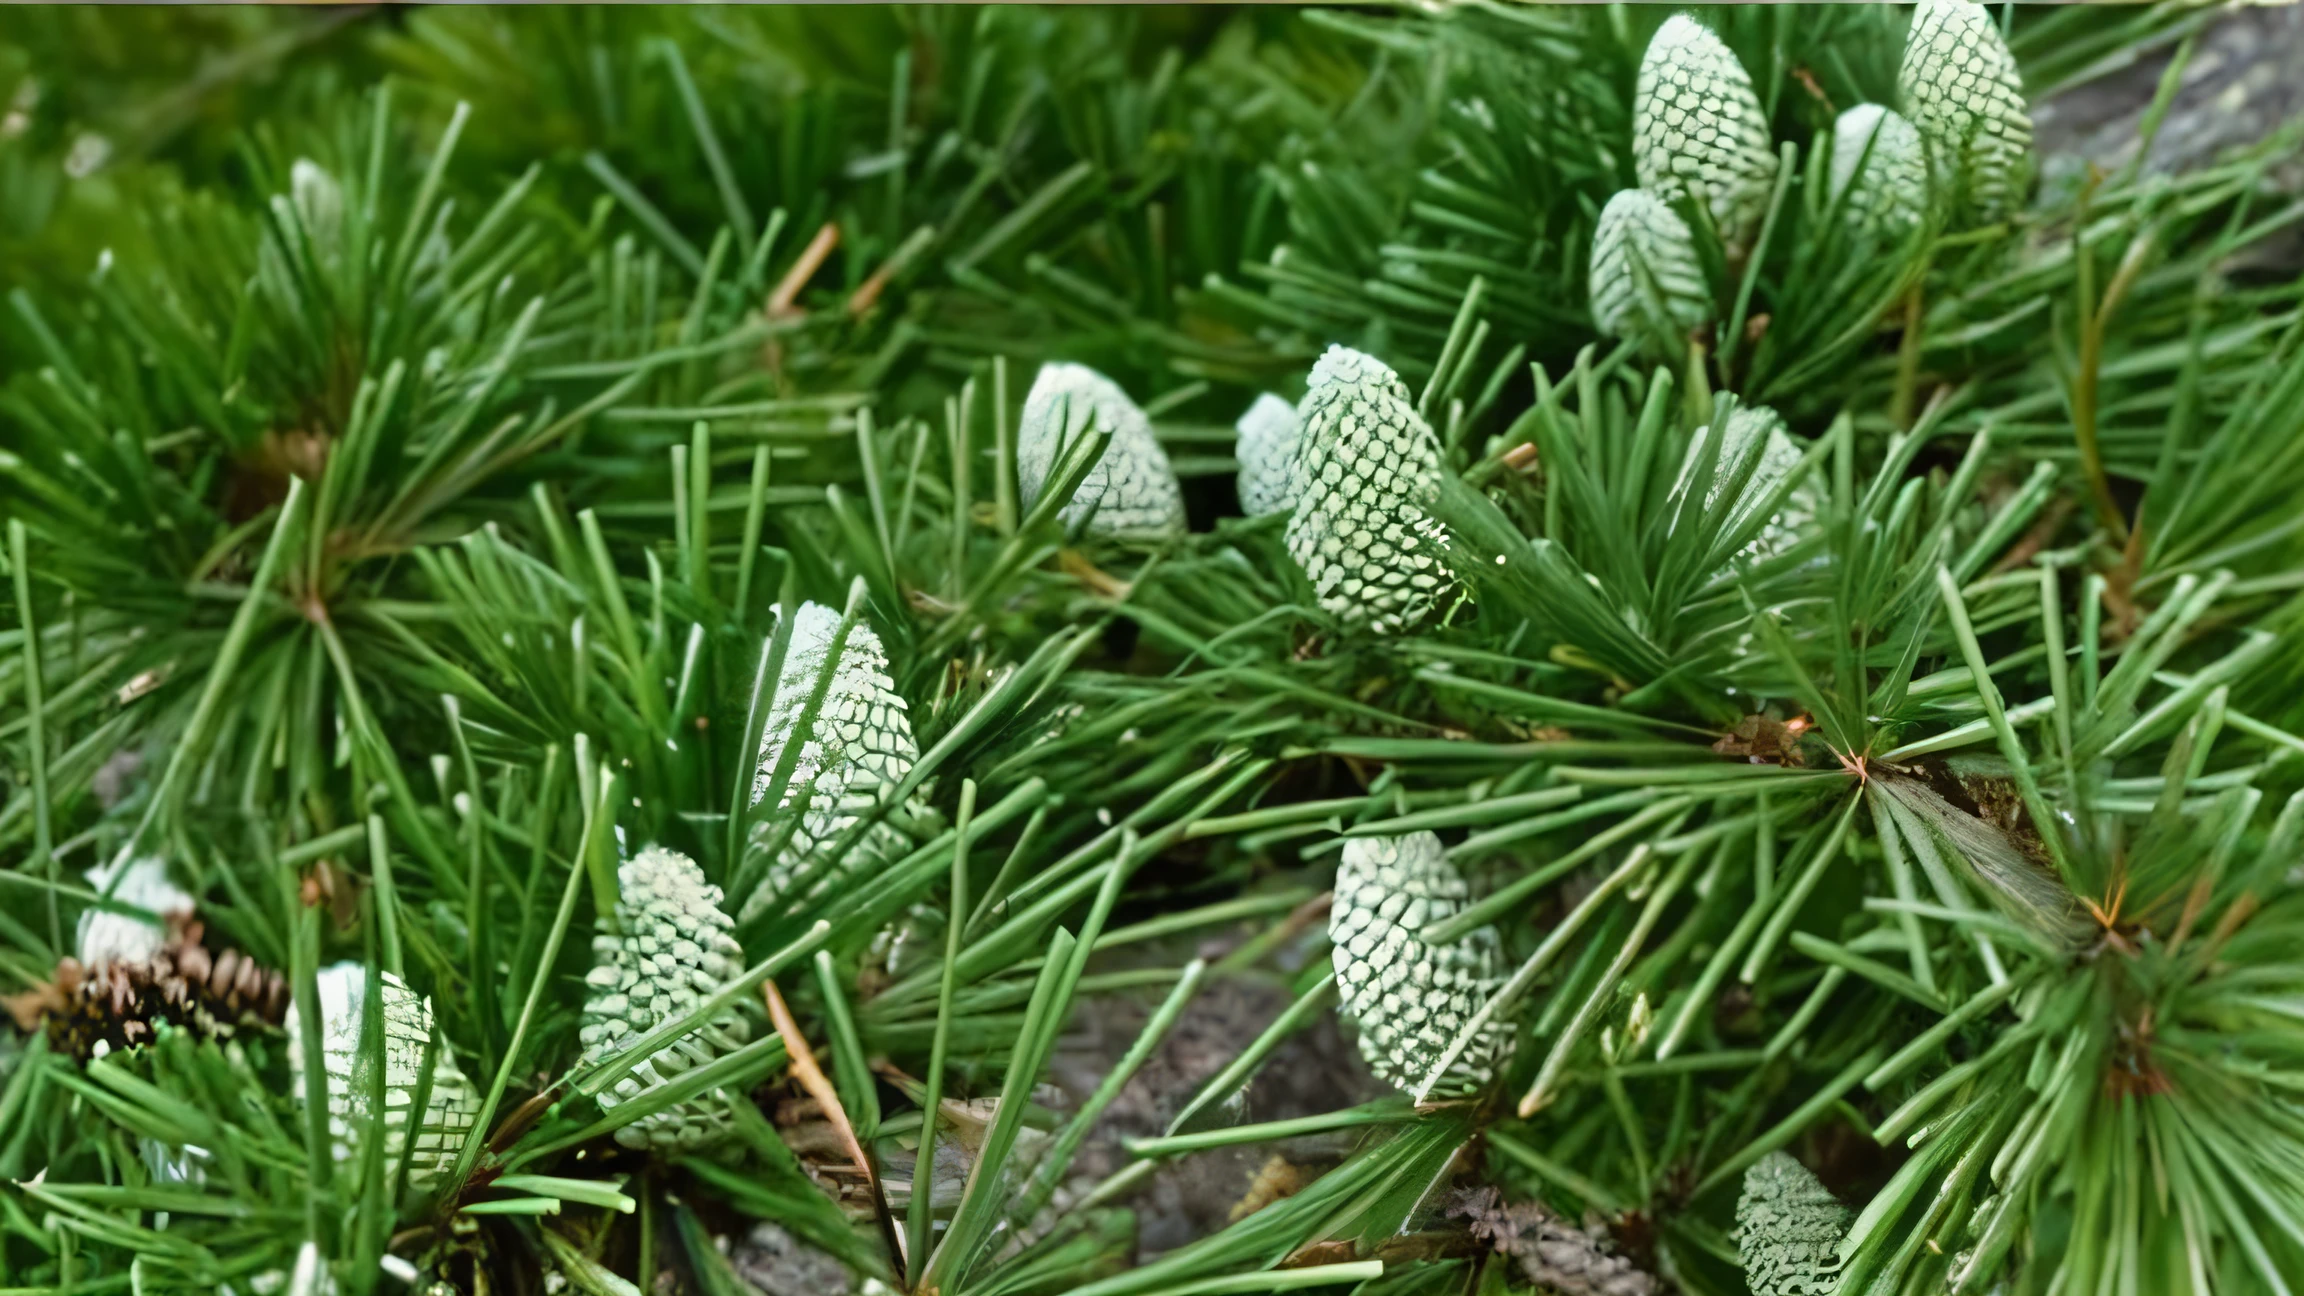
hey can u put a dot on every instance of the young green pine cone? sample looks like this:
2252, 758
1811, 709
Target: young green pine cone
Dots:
1755, 429
1132, 489
676, 949
1889, 194
1698, 128
1365, 476
1412, 1000
1962, 93
1645, 277
450, 1108
1788, 1230
859, 747
1266, 442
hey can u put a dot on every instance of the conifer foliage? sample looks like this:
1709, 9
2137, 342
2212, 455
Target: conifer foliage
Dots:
1444, 649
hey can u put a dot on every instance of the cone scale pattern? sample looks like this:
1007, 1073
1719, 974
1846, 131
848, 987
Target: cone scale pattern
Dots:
1266, 442
860, 745
1879, 162
450, 1107
675, 949
1131, 489
1364, 479
1788, 1230
1412, 1000
1755, 429
1698, 128
1962, 93
1645, 277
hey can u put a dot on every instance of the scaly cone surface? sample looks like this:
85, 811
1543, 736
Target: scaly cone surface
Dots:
1365, 478
1645, 276
1131, 489
859, 746
1698, 128
1963, 95
450, 1108
1788, 1230
1266, 441
675, 949
1412, 1000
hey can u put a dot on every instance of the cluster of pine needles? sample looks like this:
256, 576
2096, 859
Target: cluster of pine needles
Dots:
681, 651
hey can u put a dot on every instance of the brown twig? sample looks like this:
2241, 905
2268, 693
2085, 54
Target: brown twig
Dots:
783, 301
812, 1079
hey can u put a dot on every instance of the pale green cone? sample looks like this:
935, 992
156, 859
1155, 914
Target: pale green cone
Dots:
1265, 441
1888, 196
860, 745
1411, 1000
1698, 128
1645, 277
1132, 488
675, 949
449, 1110
1755, 429
1365, 476
1788, 1230
1961, 90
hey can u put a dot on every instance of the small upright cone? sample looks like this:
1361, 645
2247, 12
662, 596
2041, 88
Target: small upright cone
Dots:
1698, 128
1365, 477
1412, 1000
1132, 489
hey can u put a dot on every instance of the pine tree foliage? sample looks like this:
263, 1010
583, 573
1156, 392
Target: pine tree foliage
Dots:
481, 533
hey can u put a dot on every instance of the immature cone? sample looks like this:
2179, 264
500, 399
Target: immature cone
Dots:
1131, 488
106, 937
1755, 429
676, 949
1412, 1000
1962, 93
450, 1107
1365, 476
1889, 195
1698, 128
859, 747
1645, 277
1788, 1230
1266, 442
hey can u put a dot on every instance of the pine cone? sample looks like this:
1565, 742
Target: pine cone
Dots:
451, 1106
676, 950
1698, 128
1266, 442
1363, 481
1412, 1000
1889, 196
90, 1013
861, 742
1132, 488
1755, 429
1552, 1253
1788, 1230
1962, 93
1645, 278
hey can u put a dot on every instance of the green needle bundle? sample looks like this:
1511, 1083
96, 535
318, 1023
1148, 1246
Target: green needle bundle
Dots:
1425, 650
